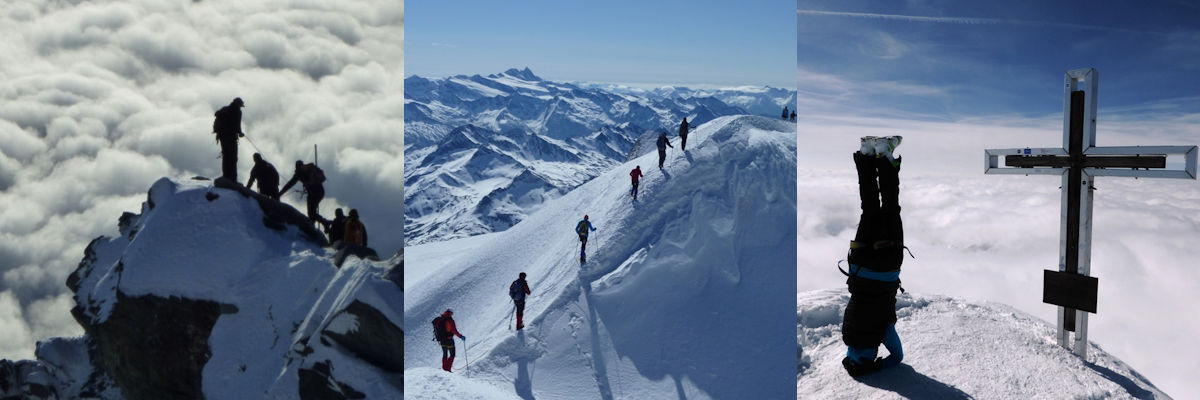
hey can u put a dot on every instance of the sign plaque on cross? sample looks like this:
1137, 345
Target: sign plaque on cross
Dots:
1079, 162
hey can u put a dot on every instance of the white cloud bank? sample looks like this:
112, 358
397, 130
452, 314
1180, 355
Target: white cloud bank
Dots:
99, 99
989, 237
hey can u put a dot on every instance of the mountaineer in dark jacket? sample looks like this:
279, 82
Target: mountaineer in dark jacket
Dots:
874, 258
227, 124
267, 177
517, 291
336, 229
683, 132
663, 144
311, 177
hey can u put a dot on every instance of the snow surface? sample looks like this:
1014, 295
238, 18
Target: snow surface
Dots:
955, 349
284, 287
687, 293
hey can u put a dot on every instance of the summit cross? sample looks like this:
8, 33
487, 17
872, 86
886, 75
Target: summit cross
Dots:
1079, 162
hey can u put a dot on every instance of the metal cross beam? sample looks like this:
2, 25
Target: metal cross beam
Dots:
1079, 161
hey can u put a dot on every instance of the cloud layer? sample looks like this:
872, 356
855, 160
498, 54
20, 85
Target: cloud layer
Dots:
99, 99
989, 237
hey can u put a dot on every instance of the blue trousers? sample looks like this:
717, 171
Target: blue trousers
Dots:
891, 341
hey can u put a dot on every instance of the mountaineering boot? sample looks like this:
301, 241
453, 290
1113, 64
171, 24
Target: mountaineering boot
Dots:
447, 363
857, 369
868, 145
884, 147
520, 324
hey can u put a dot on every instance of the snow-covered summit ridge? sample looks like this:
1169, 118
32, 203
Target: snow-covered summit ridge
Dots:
214, 291
483, 152
958, 349
671, 285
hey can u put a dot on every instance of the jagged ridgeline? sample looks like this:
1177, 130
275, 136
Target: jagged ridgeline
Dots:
216, 292
484, 152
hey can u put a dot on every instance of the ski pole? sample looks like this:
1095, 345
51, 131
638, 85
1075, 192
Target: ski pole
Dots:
466, 359
510, 314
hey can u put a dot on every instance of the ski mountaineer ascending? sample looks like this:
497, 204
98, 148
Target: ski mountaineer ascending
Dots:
875, 256
663, 144
582, 229
444, 332
635, 175
517, 291
683, 132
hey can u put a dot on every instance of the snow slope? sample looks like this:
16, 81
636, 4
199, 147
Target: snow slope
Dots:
484, 152
956, 349
687, 293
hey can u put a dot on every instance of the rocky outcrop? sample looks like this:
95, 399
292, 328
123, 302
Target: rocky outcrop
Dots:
154, 347
369, 335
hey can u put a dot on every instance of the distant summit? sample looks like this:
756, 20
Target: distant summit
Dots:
216, 292
523, 74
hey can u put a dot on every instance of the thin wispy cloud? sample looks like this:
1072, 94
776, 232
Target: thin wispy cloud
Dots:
969, 20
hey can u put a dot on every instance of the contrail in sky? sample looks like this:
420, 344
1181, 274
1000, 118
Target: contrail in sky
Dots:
966, 20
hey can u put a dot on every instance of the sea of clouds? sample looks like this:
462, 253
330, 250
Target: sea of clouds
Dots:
99, 99
988, 237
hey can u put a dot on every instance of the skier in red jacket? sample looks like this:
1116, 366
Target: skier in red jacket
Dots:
445, 330
635, 175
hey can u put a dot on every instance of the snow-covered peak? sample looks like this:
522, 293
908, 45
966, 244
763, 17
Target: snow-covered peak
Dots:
958, 349
523, 74
218, 292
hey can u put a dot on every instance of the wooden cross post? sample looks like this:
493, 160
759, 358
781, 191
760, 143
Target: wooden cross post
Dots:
1079, 161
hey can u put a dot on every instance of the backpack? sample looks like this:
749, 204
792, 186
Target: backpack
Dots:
581, 228
516, 288
439, 328
315, 174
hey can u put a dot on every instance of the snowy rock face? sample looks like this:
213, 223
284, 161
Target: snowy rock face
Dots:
686, 293
958, 349
482, 153
215, 292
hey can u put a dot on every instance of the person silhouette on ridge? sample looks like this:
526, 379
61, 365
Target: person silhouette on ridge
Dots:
683, 132
356, 232
336, 229
227, 124
663, 144
517, 291
311, 178
582, 228
635, 175
267, 177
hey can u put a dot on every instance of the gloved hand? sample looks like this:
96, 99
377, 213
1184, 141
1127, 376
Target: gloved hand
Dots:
241, 134
464, 338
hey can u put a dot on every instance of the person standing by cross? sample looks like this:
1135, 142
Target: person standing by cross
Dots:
1079, 161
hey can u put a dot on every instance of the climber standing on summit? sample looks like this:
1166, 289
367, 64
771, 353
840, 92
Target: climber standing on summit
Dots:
582, 228
785, 113
444, 331
227, 124
663, 144
267, 177
683, 132
517, 291
312, 178
635, 176
874, 259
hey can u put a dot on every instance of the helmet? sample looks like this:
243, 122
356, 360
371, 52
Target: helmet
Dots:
448, 312
237, 101
522, 275
585, 216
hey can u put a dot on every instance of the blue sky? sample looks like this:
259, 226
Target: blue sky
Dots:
641, 43
947, 59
